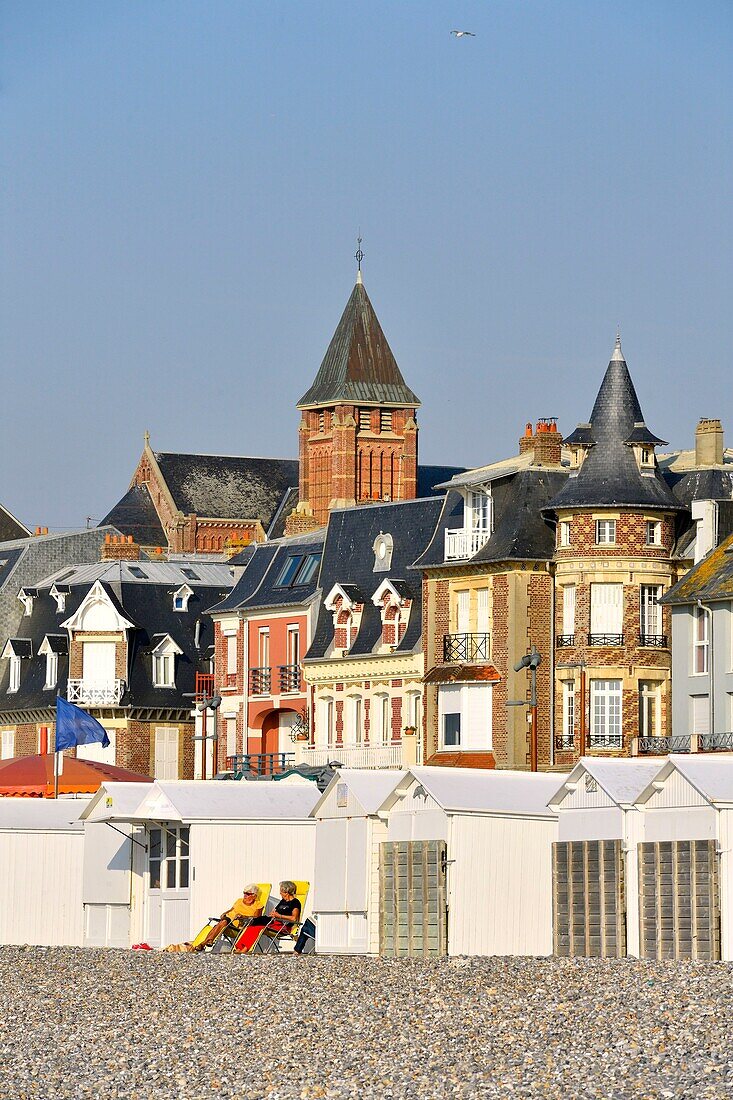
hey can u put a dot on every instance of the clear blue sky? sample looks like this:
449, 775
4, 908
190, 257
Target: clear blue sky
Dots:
182, 184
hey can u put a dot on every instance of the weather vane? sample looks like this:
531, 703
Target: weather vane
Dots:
359, 255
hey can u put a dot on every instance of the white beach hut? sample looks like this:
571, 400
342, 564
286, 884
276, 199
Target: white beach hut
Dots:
595, 879
41, 859
467, 865
686, 859
205, 839
349, 832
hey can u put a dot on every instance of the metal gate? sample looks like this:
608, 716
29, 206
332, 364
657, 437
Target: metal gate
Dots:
412, 898
679, 902
588, 906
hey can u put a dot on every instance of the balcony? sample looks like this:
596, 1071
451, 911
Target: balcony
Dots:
260, 681
260, 763
466, 648
93, 693
204, 687
289, 678
606, 741
354, 756
655, 641
565, 742
463, 543
696, 742
605, 639
564, 641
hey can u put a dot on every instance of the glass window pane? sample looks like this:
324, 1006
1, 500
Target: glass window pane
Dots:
184, 874
288, 571
155, 874
155, 848
170, 874
184, 842
451, 730
170, 845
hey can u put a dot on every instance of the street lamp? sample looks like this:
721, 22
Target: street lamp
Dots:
208, 703
531, 661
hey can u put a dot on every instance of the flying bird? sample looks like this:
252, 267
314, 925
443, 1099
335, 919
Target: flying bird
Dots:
461, 34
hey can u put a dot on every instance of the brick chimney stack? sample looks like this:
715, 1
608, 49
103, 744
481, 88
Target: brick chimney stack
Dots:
709, 443
545, 441
120, 548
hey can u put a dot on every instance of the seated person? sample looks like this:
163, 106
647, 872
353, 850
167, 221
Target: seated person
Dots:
285, 914
243, 908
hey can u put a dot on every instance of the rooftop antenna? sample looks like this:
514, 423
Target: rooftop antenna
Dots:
359, 256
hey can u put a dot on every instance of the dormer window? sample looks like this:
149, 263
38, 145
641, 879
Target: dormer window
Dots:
478, 524
393, 598
14, 682
164, 661
346, 605
59, 594
26, 597
383, 547
15, 650
50, 648
181, 597
52, 669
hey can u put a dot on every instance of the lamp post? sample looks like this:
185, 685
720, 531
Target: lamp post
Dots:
583, 732
531, 660
212, 703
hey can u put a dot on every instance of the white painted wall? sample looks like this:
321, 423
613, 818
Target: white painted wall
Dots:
41, 887
500, 885
604, 823
225, 857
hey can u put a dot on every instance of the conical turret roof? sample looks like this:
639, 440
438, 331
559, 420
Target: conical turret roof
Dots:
359, 366
610, 475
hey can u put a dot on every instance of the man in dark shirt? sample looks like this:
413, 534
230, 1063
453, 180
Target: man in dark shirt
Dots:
285, 915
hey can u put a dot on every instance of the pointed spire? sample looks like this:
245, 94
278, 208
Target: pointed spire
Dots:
618, 355
358, 256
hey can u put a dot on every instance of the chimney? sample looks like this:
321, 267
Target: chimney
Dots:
526, 443
709, 443
120, 548
547, 443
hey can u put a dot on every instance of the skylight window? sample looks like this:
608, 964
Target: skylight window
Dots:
138, 572
288, 571
191, 574
298, 569
308, 569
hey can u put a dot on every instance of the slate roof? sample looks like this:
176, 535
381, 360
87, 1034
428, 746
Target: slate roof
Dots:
217, 486
430, 479
359, 366
710, 579
148, 604
610, 476
135, 515
257, 588
348, 559
10, 527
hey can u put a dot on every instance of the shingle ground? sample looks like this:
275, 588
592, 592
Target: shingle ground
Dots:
113, 1024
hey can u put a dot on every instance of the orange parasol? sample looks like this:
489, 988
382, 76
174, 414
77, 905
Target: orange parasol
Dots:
32, 776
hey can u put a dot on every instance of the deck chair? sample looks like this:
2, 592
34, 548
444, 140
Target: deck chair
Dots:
272, 935
230, 933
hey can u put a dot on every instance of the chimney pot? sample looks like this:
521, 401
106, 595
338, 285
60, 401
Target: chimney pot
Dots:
38, 530
709, 447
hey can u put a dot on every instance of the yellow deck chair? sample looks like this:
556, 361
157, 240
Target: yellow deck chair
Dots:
235, 927
275, 939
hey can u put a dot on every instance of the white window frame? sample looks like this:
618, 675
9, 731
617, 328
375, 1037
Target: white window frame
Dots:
606, 614
171, 845
605, 532
164, 670
568, 712
650, 611
700, 642
606, 712
293, 644
7, 745
479, 511
326, 735
96, 751
474, 705
569, 600
356, 719
563, 530
230, 728
653, 532
181, 597
168, 736
650, 708
700, 703
231, 654
14, 680
263, 647
52, 670
463, 611
381, 710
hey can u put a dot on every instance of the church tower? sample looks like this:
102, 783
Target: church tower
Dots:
358, 428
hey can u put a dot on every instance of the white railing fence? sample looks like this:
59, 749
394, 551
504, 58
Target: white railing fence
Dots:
464, 542
95, 694
355, 756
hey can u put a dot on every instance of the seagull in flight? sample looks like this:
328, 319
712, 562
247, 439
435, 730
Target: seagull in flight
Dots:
462, 34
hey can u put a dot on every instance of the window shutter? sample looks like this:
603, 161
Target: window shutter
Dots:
606, 608
476, 717
482, 613
701, 714
462, 616
568, 609
231, 653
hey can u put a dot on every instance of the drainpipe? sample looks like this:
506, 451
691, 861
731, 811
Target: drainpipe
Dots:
711, 663
548, 567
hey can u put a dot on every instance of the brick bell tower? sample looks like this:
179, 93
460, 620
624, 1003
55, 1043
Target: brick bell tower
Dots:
358, 429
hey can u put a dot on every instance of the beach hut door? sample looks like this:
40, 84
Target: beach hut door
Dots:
167, 910
413, 914
679, 900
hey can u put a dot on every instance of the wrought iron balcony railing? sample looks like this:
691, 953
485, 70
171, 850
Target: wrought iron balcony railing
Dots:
464, 542
715, 742
565, 640
466, 647
260, 763
606, 741
655, 641
565, 742
289, 678
260, 681
660, 746
605, 639
93, 693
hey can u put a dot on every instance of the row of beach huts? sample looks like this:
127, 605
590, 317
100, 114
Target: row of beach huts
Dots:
620, 857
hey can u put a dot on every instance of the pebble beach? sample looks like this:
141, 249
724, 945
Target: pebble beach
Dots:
147, 1025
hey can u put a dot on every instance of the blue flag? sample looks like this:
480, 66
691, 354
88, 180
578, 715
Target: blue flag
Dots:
75, 727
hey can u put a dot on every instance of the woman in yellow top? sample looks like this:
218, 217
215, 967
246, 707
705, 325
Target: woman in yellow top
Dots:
243, 908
